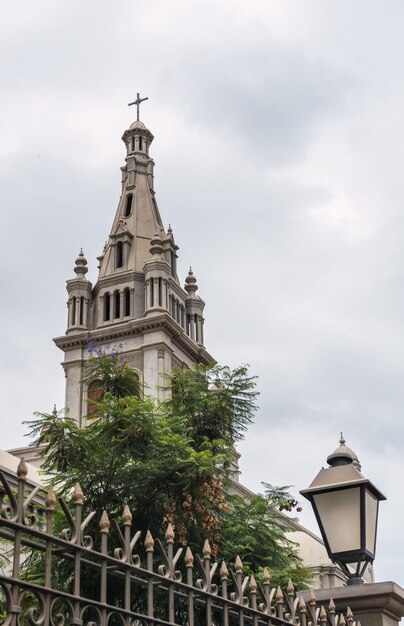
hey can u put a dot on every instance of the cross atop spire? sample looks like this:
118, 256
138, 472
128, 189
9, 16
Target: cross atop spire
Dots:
138, 101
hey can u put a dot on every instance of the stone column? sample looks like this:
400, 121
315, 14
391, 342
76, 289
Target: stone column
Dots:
78, 311
132, 302
121, 304
101, 311
156, 292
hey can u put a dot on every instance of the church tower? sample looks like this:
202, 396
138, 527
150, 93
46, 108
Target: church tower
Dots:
137, 302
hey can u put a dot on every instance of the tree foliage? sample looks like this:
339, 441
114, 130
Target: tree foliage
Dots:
170, 461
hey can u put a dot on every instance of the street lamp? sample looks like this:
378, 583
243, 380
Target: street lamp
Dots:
346, 506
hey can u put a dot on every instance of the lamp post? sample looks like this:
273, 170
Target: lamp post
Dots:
346, 507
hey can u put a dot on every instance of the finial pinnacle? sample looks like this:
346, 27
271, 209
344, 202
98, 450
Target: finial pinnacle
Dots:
149, 542
290, 588
55, 411
189, 557
22, 469
206, 550
81, 265
104, 523
238, 565
77, 495
156, 247
279, 595
342, 440
265, 576
224, 572
127, 516
191, 284
50, 501
323, 614
170, 534
313, 599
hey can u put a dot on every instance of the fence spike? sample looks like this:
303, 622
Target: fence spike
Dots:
349, 613
279, 595
149, 542
77, 495
104, 523
224, 572
313, 599
189, 558
127, 516
342, 620
206, 550
302, 605
170, 534
290, 588
22, 469
50, 501
265, 576
331, 606
253, 584
323, 614
238, 565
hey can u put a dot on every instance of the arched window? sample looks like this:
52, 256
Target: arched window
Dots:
160, 291
117, 304
73, 310
95, 393
140, 143
107, 307
128, 205
126, 301
119, 254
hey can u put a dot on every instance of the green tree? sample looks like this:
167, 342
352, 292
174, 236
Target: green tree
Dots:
169, 461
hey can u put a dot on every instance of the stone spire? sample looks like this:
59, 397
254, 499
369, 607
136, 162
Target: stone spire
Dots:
137, 301
137, 217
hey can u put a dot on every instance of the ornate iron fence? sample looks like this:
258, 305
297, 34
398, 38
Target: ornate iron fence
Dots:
163, 587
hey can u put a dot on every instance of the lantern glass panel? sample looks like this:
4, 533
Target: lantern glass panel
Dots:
340, 515
371, 520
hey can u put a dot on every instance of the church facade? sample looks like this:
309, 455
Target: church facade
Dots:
139, 305
138, 302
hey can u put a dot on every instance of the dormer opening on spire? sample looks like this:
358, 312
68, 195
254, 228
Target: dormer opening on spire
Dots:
128, 205
119, 254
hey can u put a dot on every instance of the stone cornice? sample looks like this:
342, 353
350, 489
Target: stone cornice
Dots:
117, 331
177, 289
116, 279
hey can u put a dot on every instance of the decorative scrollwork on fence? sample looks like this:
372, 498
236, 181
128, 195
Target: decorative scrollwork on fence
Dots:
135, 583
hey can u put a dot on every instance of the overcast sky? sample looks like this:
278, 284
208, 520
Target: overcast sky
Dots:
279, 152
